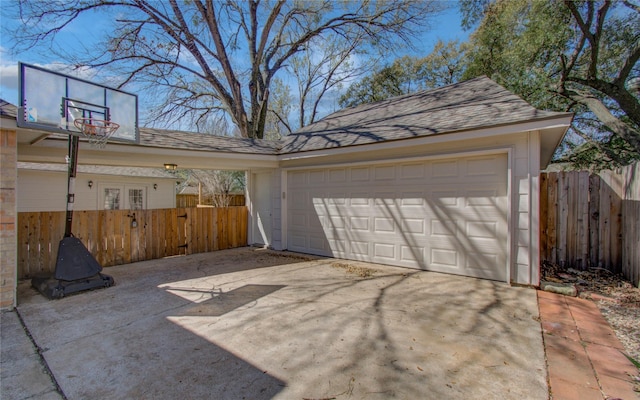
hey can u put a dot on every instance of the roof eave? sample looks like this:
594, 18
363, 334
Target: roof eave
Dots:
557, 126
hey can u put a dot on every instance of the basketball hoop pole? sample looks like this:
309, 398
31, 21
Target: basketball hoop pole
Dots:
76, 268
72, 168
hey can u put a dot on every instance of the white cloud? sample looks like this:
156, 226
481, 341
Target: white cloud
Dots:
8, 77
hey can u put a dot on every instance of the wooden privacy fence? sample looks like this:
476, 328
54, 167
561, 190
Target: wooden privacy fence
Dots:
191, 200
589, 220
113, 238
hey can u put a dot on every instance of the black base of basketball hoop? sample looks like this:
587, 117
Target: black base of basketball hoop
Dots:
52, 288
76, 271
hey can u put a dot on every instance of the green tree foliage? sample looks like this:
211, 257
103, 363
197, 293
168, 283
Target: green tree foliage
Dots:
577, 56
443, 66
595, 155
472, 11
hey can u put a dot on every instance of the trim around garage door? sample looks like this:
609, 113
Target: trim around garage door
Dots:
447, 213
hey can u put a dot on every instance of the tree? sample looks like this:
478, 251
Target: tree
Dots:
443, 66
206, 56
577, 56
219, 186
323, 70
280, 107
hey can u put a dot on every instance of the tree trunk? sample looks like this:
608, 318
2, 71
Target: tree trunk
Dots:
603, 114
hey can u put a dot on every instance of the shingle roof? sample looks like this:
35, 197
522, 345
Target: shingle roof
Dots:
197, 141
166, 138
472, 104
8, 109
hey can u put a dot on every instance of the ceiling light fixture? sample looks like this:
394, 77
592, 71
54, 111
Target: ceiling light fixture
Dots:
170, 167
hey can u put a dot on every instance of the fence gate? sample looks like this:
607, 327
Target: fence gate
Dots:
116, 237
182, 242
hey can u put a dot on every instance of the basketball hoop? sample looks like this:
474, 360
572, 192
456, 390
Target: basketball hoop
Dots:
97, 131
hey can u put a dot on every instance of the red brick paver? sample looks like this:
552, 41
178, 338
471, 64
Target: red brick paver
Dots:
584, 356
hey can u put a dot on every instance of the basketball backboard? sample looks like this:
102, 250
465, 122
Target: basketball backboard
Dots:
51, 101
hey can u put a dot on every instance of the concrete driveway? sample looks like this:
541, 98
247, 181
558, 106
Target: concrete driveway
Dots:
257, 324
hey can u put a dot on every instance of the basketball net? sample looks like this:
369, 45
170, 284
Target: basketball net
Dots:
97, 131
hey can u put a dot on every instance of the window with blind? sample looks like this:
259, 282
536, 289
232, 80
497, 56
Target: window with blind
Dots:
136, 199
111, 198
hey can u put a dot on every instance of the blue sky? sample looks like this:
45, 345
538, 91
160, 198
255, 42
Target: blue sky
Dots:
88, 30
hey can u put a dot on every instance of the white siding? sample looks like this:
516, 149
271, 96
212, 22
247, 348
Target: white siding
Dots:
47, 191
276, 203
261, 208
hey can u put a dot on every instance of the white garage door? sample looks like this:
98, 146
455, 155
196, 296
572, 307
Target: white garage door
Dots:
441, 215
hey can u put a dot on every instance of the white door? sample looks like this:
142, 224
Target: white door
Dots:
262, 207
120, 196
442, 215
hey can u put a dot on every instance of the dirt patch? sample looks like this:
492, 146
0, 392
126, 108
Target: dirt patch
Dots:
362, 272
289, 255
617, 299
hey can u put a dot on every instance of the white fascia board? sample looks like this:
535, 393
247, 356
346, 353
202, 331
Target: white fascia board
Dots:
142, 156
430, 157
8, 123
556, 123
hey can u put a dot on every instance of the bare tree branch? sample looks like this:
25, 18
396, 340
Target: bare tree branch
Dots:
201, 41
603, 113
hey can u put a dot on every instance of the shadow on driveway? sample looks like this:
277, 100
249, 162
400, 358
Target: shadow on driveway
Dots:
259, 324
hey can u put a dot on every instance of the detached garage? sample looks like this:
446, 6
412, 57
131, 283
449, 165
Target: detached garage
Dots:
444, 180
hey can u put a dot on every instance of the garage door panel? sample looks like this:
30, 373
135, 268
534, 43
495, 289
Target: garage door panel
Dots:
359, 199
337, 176
298, 220
443, 228
443, 215
412, 199
483, 166
298, 178
298, 200
478, 260
413, 226
337, 222
318, 243
335, 198
447, 258
384, 173
384, 225
443, 197
384, 251
298, 241
359, 224
481, 229
444, 169
477, 265
359, 248
361, 174
412, 171
316, 177
387, 199
476, 202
